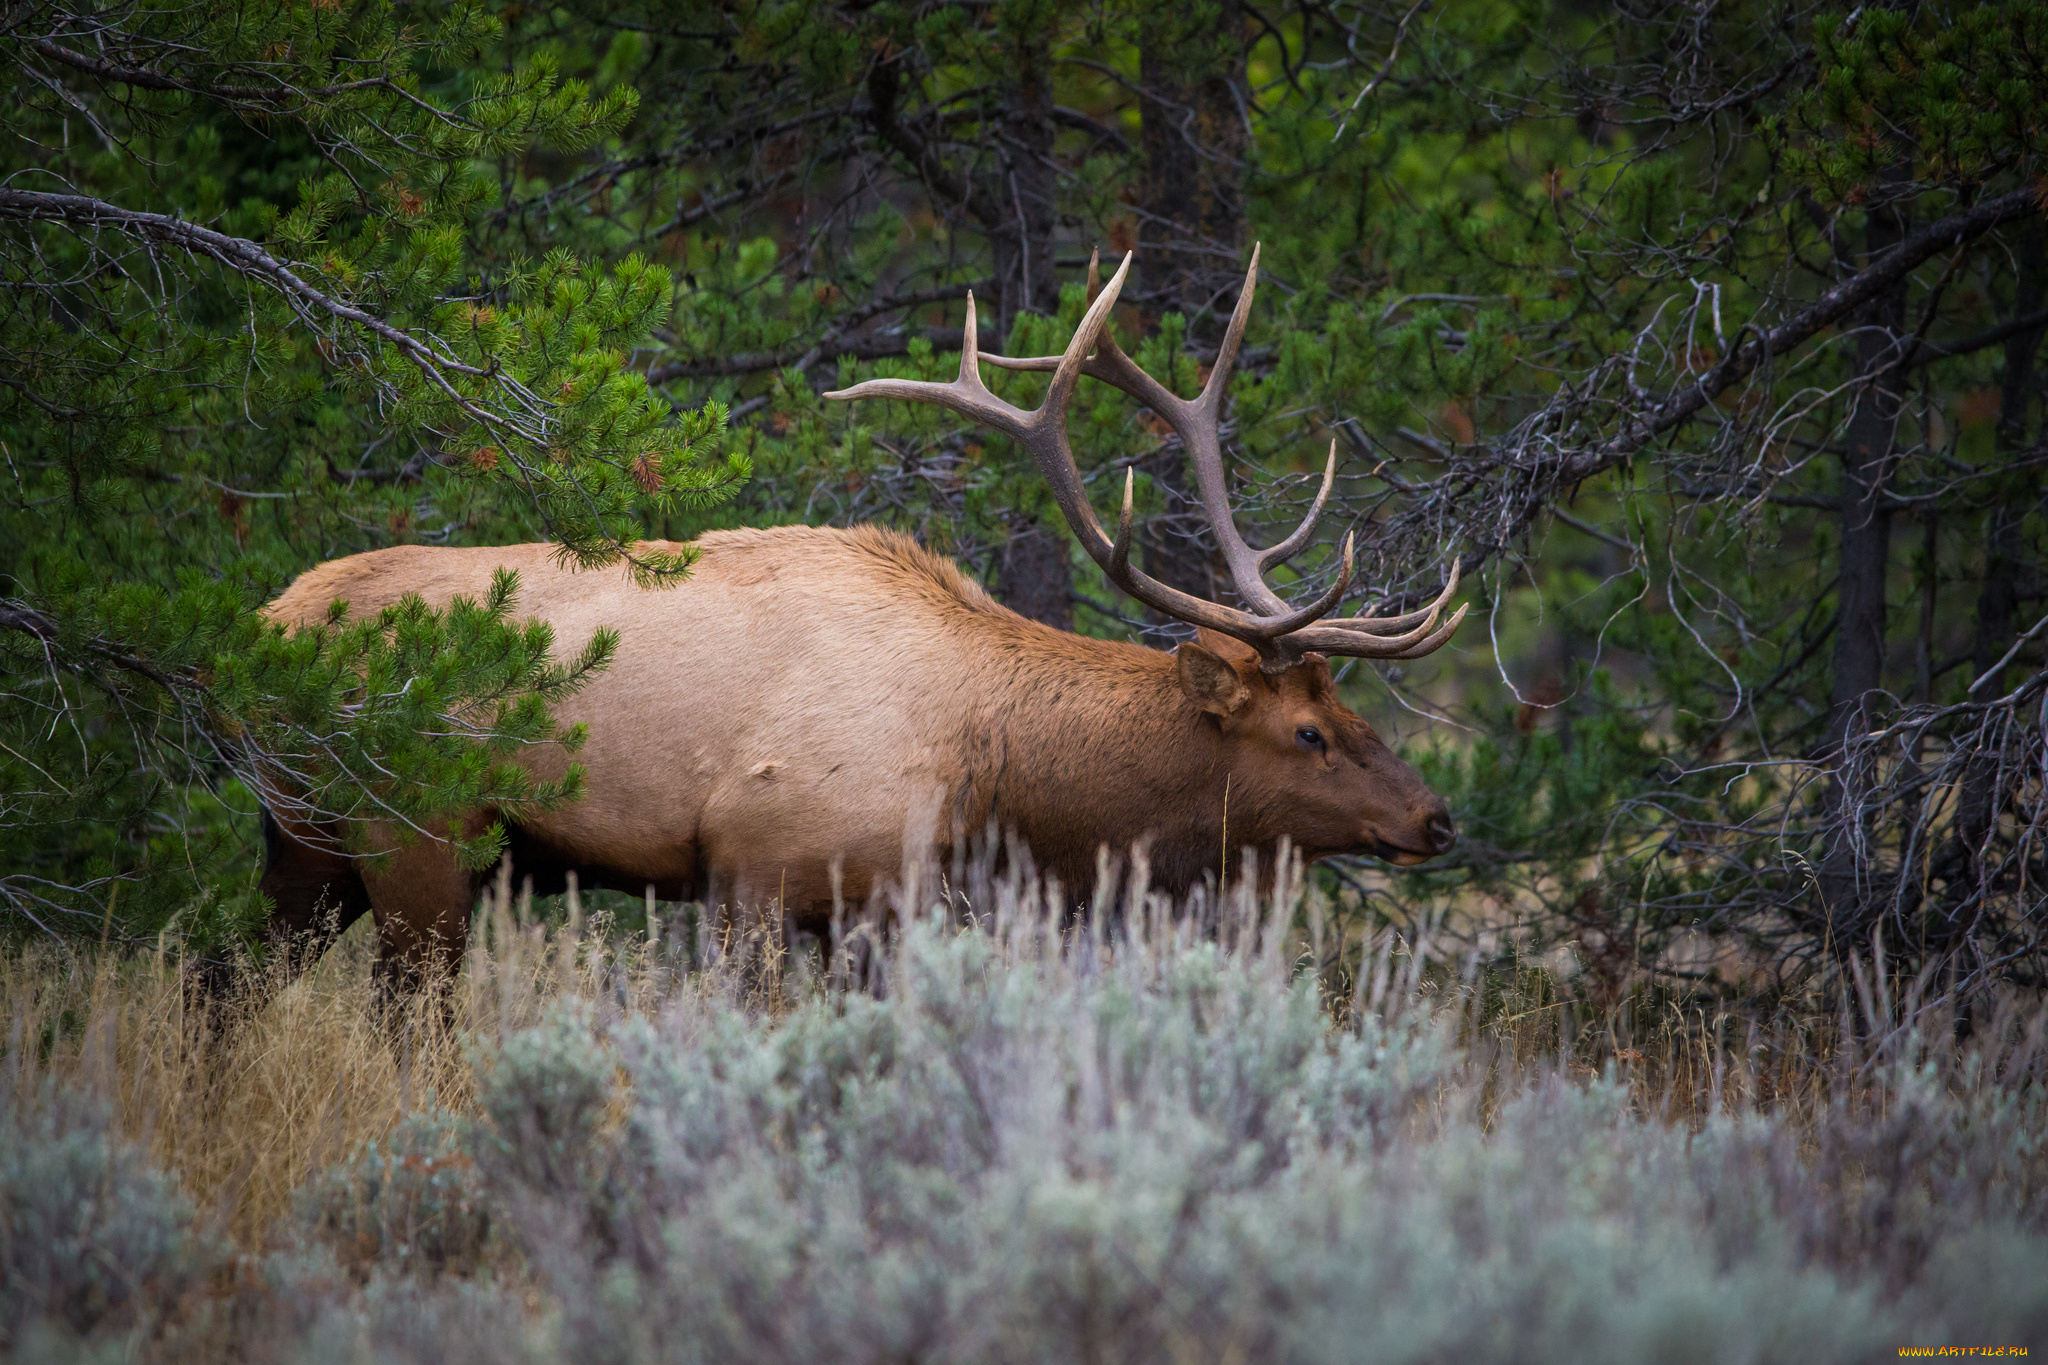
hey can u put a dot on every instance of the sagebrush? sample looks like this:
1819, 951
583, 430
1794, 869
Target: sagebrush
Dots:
1131, 1140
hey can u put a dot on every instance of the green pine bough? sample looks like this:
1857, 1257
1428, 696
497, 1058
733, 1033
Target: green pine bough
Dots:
251, 330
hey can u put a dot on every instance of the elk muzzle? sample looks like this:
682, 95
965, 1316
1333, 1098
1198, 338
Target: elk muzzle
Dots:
1430, 834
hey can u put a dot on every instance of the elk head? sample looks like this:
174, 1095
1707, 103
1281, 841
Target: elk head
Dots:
1305, 765
1261, 671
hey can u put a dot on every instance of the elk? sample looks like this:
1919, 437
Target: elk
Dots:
769, 727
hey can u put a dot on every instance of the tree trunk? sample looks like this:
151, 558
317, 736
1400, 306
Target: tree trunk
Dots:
1018, 199
1866, 529
1015, 205
1191, 68
1033, 577
1998, 598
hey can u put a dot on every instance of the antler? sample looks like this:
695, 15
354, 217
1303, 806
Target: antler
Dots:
1278, 631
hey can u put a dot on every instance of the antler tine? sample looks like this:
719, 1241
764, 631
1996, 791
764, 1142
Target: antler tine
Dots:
1036, 364
1120, 550
970, 347
1437, 639
1335, 637
966, 395
1198, 423
1415, 644
1389, 625
1290, 547
1094, 326
1233, 336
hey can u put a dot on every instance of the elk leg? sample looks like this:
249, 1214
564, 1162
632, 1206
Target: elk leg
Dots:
422, 897
315, 893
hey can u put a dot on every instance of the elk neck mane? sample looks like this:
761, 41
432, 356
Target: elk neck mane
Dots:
1017, 654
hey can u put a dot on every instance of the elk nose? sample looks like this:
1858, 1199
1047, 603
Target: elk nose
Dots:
1442, 833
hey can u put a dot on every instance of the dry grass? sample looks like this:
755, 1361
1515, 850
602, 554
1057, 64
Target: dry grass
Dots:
245, 1106
1686, 1060
686, 1111
244, 1115
242, 1120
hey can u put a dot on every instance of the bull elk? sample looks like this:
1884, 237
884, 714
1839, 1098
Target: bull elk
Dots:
787, 706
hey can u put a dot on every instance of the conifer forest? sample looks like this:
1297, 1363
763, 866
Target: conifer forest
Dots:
1664, 383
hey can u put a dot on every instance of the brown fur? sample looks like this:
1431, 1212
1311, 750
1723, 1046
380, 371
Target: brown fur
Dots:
810, 694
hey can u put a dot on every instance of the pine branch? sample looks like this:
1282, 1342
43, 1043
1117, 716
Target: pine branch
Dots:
22, 618
1845, 298
244, 257
145, 79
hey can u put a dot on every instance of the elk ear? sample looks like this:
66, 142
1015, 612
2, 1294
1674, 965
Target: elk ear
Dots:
1211, 683
1226, 646
1315, 668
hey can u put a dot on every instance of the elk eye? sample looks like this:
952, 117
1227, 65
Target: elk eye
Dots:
1309, 737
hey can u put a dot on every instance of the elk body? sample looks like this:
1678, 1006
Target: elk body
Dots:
811, 699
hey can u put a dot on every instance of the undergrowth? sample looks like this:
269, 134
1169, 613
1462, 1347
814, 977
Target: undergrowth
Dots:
1005, 1136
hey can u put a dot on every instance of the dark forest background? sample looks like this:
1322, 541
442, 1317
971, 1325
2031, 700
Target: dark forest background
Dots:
1705, 337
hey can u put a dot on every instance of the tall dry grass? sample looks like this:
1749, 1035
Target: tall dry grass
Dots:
242, 1117
246, 1104
247, 1100
1872, 1129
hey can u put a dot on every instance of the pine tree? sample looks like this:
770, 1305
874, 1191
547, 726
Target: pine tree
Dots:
246, 328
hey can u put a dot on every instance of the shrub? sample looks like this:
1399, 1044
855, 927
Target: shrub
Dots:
410, 1320
1136, 1159
545, 1093
413, 1202
1147, 1146
93, 1241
